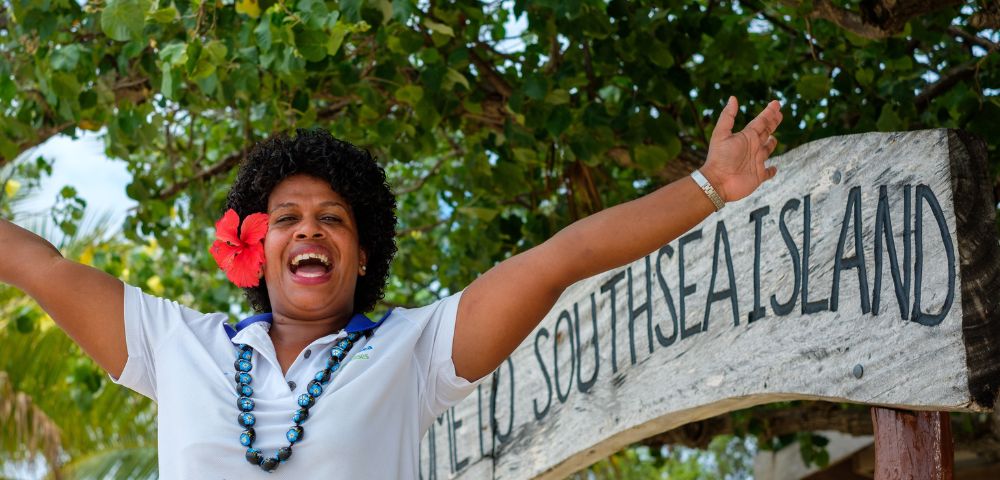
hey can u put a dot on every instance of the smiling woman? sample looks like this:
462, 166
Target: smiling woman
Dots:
323, 216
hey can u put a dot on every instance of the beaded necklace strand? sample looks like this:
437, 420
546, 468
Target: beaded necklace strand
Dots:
314, 389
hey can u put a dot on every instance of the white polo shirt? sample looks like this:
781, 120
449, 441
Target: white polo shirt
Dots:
367, 423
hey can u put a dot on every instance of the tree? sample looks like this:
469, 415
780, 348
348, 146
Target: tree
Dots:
53, 399
498, 122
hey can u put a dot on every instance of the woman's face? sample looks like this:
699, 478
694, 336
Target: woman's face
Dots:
311, 248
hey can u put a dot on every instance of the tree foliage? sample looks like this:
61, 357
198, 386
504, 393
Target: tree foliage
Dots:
54, 400
498, 122
495, 132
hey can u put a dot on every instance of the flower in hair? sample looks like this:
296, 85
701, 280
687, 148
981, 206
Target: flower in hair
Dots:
239, 250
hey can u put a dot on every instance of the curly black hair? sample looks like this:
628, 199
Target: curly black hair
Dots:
351, 171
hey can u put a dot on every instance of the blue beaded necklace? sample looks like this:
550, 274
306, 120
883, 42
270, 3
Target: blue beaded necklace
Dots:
245, 401
306, 400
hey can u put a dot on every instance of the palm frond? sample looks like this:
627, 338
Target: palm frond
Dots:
26, 427
54, 400
117, 463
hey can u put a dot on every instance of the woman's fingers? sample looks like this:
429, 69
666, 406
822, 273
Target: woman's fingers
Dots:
724, 128
768, 146
767, 121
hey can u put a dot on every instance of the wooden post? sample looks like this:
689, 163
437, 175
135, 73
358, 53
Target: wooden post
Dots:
912, 445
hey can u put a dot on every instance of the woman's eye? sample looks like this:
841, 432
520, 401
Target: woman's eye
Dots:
286, 218
330, 218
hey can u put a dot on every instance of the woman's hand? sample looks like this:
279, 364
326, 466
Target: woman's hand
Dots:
735, 163
500, 308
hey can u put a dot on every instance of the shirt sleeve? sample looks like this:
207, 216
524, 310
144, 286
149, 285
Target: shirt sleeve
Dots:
149, 321
444, 388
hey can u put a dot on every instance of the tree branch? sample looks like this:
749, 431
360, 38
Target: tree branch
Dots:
555, 56
234, 159
947, 80
423, 228
218, 169
979, 438
420, 183
810, 416
42, 135
592, 84
685, 163
843, 18
878, 19
334, 109
988, 18
974, 39
492, 77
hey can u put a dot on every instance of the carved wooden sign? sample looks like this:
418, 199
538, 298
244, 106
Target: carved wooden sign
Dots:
868, 271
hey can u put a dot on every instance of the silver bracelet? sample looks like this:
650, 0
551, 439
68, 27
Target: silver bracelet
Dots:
708, 189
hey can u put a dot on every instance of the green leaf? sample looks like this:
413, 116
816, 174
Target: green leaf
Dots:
336, 37
25, 320
659, 54
163, 15
7, 88
65, 85
452, 77
249, 8
439, 27
87, 99
136, 191
509, 179
525, 156
557, 97
652, 158
864, 76
888, 120
8, 149
820, 440
214, 51
559, 119
535, 87
313, 13
122, 20
312, 44
402, 10
66, 58
481, 213
409, 94
174, 54
213, 54
813, 87
822, 458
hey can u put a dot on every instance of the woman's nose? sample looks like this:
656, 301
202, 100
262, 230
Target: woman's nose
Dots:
309, 229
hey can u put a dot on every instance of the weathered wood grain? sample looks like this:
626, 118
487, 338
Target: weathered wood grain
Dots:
751, 307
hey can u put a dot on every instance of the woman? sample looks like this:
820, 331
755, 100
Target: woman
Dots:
311, 386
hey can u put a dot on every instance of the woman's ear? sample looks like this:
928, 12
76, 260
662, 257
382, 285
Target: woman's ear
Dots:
363, 267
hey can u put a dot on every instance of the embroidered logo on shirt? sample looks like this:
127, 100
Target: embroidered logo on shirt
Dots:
362, 355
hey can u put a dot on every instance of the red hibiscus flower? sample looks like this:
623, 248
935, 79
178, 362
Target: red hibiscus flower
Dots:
240, 255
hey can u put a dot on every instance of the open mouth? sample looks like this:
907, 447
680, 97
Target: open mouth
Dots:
310, 265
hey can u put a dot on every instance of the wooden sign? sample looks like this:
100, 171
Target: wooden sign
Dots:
868, 271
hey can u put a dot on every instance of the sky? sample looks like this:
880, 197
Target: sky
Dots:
82, 164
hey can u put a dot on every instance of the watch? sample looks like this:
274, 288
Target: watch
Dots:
708, 189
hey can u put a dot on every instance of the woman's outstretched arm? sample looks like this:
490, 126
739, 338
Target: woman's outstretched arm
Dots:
501, 307
85, 302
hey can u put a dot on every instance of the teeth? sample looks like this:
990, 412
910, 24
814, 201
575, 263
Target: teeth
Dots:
304, 256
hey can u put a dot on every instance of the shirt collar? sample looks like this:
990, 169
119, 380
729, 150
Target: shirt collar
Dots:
358, 323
